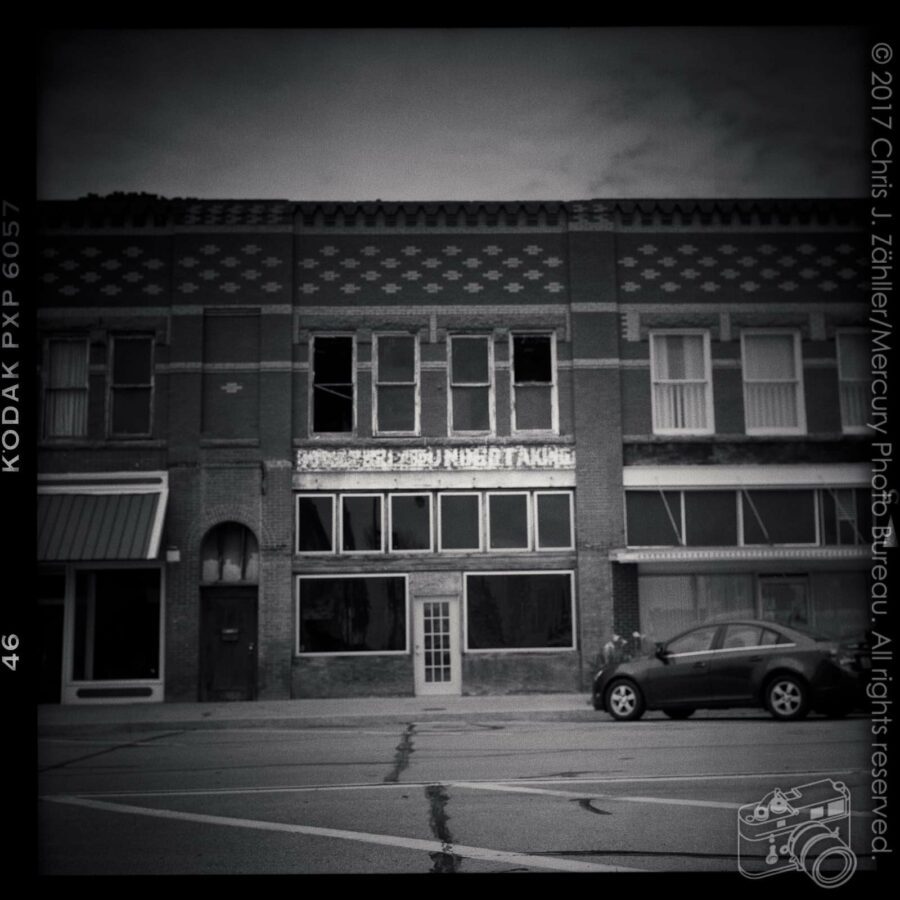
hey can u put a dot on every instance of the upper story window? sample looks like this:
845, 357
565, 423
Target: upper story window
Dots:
853, 377
333, 389
773, 382
533, 372
396, 384
131, 386
66, 379
471, 407
681, 373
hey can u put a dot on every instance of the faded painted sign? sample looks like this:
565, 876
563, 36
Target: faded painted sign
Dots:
431, 459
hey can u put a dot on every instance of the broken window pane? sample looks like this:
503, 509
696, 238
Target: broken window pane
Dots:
508, 525
411, 522
507, 612
332, 384
352, 615
315, 524
460, 522
532, 359
554, 521
361, 523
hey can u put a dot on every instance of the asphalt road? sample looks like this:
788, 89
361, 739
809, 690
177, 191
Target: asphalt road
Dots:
468, 797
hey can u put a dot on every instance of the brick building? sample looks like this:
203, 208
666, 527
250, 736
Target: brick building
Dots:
307, 449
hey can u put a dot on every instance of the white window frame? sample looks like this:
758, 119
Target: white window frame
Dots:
528, 522
310, 394
334, 529
554, 383
390, 520
849, 429
346, 576
416, 384
488, 338
480, 498
357, 494
537, 531
655, 379
46, 390
111, 385
799, 396
569, 649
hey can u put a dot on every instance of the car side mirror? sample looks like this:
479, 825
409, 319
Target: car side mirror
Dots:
660, 651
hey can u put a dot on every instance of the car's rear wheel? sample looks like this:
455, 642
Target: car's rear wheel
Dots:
624, 701
787, 698
682, 712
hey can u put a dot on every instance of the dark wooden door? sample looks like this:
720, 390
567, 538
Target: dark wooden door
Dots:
228, 643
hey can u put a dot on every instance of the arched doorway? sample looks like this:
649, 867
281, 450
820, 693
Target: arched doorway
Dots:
228, 613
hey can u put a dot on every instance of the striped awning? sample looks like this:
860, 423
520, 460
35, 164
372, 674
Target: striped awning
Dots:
100, 520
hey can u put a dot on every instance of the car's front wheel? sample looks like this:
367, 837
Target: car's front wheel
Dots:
624, 701
787, 698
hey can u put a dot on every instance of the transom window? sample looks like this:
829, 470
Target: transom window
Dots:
471, 408
396, 387
66, 386
773, 382
230, 553
425, 521
680, 371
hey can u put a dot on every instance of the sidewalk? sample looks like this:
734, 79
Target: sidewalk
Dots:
318, 713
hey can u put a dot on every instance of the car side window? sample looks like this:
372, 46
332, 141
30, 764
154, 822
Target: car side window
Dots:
770, 637
696, 641
737, 636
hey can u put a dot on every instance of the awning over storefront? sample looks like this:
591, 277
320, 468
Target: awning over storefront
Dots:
101, 517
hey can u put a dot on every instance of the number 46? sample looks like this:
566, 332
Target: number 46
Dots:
10, 643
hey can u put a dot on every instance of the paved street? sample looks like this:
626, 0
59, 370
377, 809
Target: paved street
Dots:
472, 795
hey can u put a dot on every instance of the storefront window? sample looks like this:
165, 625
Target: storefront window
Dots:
352, 615
554, 521
460, 521
779, 517
521, 611
361, 523
410, 522
315, 524
508, 521
117, 624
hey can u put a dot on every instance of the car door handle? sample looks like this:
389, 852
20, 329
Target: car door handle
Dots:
700, 665
755, 658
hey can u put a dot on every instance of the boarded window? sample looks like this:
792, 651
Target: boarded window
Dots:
519, 611
682, 389
332, 389
653, 518
554, 521
231, 374
470, 384
411, 522
361, 518
66, 388
352, 615
131, 386
116, 625
779, 517
533, 382
395, 384
460, 521
315, 524
508, 521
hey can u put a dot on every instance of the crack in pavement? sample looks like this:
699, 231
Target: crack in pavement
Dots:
445, 862
401, 757
136, 743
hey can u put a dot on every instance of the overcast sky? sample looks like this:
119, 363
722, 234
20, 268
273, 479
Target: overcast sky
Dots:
454, 114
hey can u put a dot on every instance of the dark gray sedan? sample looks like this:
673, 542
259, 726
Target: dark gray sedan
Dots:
787, 671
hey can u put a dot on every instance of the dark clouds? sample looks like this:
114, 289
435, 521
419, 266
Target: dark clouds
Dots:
454, 114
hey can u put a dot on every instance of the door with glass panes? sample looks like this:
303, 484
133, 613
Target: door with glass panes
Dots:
436, 649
